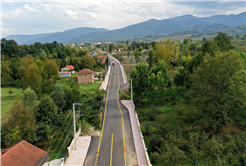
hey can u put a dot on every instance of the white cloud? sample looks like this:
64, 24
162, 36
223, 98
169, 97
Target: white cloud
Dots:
43, 17
31, 9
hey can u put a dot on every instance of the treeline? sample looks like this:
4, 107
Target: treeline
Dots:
21, 64
206, 125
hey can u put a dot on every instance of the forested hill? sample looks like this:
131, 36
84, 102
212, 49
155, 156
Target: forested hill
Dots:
60, 37
148, 28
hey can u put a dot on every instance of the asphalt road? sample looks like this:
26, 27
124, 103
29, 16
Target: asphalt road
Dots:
115, 146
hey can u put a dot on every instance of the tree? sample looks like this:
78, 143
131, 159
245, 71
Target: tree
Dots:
58, 97
87, 62
136, 54
19, 124
30, 99
218, 90
186, 52
158, 83
47, 111
167, 51
5, 71
139, 79
32, 77
210, 47
150, 60
223, 41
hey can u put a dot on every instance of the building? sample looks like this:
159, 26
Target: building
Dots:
23, 153
68, 68
65, 74
95, 76
85, 76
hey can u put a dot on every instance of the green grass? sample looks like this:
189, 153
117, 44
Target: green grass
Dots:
90, 88
8, 100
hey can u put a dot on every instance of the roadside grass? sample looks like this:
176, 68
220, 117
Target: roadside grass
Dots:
8, 100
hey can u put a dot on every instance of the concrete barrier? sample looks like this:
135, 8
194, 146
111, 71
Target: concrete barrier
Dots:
106, 79
72, 143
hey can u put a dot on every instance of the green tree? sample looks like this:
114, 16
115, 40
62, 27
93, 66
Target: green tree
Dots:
210, 47
5, 70
186, 52
58, 97
47, 111
32, 77
158, 83
218, 90
150, 60
20, 123
30, 99
87, 62
139, 79
223, 41
136, 54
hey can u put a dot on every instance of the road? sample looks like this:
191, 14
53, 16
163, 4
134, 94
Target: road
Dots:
115, 145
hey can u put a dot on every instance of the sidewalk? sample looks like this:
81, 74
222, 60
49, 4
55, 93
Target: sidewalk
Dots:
137, 137
77, 157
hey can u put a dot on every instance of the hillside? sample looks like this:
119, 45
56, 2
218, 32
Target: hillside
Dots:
151, 27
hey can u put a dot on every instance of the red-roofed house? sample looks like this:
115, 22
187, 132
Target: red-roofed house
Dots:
23, 154
85, 76
68, 68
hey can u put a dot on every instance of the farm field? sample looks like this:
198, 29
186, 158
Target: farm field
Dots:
8, 100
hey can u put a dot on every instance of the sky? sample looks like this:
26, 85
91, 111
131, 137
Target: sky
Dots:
48, 16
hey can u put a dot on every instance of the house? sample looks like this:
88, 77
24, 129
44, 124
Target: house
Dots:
68, 68
65, 74
23, 153
85, 76
95, 76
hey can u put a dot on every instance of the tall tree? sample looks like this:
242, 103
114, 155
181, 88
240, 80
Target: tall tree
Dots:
58, 97
47, 111
139, 79
150, 60
167, 51
158, 83
30, 99
32, 77
5, 70
20, 122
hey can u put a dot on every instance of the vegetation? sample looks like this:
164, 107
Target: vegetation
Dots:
198, 116
35, 107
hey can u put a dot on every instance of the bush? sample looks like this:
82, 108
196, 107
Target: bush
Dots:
124, 96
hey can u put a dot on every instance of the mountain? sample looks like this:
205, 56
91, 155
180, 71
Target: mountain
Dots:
24, 38
153, 27
60, 37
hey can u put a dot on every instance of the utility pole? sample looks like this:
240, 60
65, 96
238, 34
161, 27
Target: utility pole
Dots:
131, 91
101, 77
74, 123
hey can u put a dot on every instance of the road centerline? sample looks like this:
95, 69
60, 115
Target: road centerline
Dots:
111, 149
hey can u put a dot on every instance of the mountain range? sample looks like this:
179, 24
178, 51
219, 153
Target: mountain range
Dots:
151, 27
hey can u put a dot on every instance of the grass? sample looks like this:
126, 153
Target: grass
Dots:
8, 100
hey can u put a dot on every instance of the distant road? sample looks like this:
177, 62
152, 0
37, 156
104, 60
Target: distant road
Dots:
115, 146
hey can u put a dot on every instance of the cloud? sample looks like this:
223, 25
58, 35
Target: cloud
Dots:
44, 17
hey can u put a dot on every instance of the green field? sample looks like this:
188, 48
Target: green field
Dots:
8, 100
